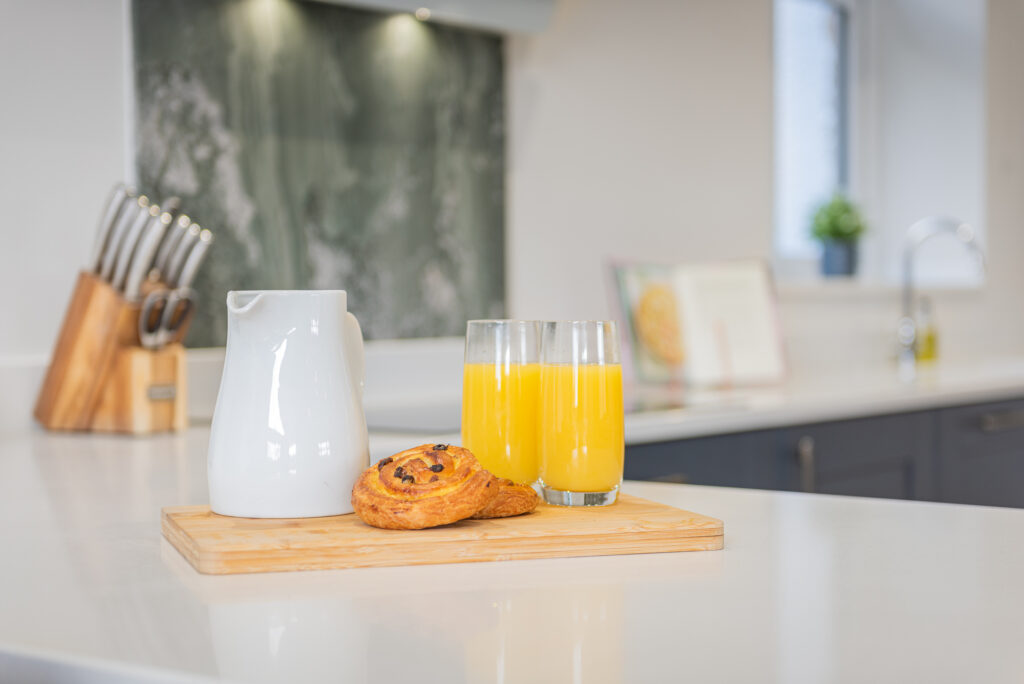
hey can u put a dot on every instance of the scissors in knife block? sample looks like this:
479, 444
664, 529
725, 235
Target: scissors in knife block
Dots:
166, 310
164, 314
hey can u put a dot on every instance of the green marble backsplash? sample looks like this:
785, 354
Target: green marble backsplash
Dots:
328, 147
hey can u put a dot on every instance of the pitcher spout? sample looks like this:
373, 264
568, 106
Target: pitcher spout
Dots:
240, 302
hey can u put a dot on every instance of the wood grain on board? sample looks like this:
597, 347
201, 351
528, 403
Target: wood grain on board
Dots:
217, 544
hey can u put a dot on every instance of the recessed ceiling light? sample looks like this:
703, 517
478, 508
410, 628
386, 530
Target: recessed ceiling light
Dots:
422, 14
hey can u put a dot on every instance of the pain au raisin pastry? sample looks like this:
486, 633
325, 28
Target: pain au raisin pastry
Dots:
425, 486
512, 499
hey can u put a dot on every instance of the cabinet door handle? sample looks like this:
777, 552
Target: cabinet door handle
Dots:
673, 478
1002, 421
805, 457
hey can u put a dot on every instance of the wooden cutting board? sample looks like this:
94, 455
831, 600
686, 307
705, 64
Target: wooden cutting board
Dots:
222, 545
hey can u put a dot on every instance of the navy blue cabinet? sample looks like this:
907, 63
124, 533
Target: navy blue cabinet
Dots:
884, 456
981, 454
968, 454
736, 460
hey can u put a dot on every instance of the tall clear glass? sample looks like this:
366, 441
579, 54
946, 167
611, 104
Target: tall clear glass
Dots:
581, 443
500, 389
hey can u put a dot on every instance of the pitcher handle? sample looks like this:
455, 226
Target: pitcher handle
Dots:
354, 354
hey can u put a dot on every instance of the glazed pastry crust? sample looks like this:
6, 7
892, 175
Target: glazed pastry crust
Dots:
512, 499
426, 486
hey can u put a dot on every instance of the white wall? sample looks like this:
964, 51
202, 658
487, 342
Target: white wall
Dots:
62, 147
919, 98
637, 130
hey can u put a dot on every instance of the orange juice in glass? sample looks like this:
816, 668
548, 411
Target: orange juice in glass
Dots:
580, 434
500, 390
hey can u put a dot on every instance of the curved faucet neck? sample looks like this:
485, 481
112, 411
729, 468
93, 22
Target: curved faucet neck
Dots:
920, 232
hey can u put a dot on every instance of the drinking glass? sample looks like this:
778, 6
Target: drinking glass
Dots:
581, 446
499, 396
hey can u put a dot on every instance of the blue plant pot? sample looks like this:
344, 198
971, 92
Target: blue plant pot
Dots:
839, 258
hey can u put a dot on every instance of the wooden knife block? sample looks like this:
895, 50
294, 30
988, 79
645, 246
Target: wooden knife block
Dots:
101, 379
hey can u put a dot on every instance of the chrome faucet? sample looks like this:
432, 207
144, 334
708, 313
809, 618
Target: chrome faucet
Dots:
918, 234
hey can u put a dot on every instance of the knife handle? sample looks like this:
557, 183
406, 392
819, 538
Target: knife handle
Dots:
143, 257
124, 224
181, 252
172, 205
118, 200
170, 243
130, 246
195, 259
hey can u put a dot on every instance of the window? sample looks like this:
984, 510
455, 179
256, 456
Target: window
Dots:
811, 131
884, 100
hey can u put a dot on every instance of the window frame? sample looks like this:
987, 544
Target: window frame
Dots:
800, 268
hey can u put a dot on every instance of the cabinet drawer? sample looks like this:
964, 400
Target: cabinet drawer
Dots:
981, 460
884, 456
738, 460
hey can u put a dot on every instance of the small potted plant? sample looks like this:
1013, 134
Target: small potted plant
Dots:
838, 225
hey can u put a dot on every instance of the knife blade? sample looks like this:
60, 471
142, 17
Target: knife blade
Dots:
195, 259
124, 223
171, 239
129, 245
120, 198
143, 257
177, 261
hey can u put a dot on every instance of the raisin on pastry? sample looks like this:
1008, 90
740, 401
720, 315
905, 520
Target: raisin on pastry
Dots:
426, 486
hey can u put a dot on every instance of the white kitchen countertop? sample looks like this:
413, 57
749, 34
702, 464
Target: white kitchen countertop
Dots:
808, 589
844, 393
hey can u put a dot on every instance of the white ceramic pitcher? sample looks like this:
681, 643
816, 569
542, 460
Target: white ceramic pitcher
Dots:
288, 438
